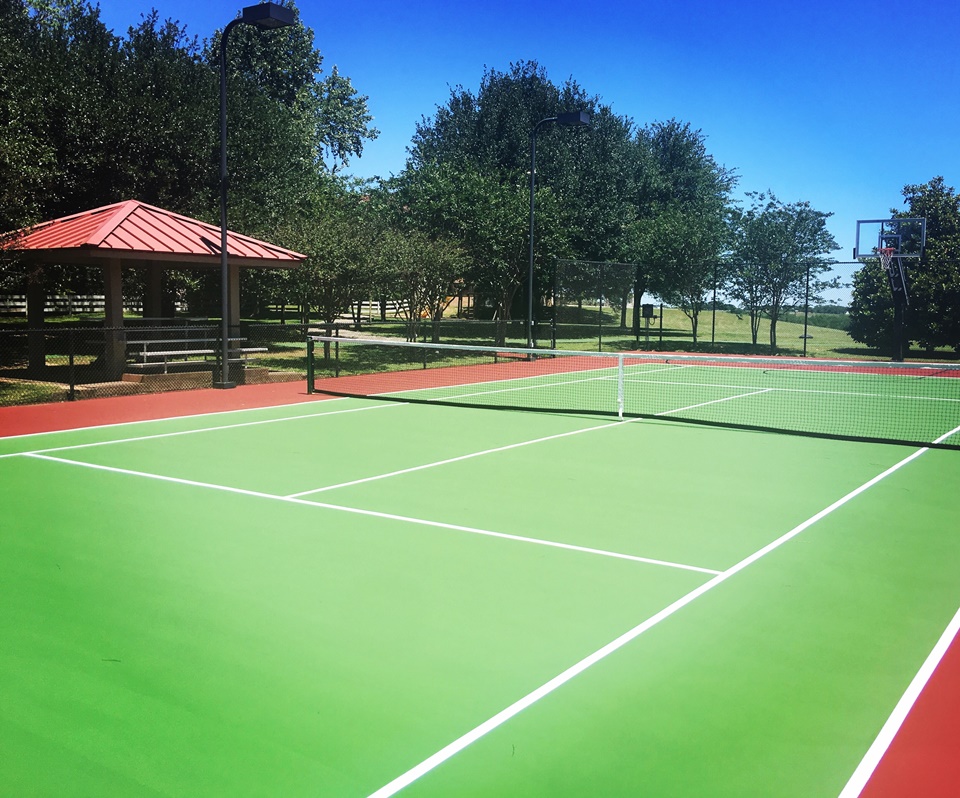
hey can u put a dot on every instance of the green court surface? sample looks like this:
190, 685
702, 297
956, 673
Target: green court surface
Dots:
356, 597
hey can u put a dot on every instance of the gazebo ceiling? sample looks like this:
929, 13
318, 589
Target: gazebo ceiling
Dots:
138, 234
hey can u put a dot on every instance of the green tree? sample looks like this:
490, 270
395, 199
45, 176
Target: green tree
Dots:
284, 67
488, 217
61, 111
933, 316
684, 249
871, 309
468, 177
166, 131
421, 273
778, 259
27, 158
75, 71
679, 233
334, 231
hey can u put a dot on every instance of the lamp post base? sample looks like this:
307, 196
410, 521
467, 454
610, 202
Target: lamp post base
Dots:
224, 385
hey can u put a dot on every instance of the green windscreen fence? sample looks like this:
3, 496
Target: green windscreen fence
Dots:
915, 404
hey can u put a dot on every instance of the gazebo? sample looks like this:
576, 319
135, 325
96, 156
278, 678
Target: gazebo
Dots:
135, 234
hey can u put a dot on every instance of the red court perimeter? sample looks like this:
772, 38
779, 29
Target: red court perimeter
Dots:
922, 759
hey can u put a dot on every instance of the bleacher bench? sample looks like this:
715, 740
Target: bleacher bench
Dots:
184, 351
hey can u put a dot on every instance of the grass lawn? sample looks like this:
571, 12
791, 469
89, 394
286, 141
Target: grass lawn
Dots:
731, 335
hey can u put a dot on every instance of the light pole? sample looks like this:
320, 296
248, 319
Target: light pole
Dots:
265, 16
569, 119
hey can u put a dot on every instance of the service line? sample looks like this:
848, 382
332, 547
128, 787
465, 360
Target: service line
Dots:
375, 514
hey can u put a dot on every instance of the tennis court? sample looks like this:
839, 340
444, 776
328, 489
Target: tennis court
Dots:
409, 593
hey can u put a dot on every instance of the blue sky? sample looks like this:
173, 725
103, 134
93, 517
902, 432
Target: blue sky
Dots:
837, 103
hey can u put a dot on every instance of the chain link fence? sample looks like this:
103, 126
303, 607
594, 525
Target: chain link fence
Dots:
67, 362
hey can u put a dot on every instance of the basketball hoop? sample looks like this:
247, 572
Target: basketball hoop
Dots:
886, 258
895, 273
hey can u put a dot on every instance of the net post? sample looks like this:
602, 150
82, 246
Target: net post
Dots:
555, 303
620, 386
310, 345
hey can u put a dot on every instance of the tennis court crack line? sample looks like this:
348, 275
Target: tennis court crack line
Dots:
376, 514
458, 745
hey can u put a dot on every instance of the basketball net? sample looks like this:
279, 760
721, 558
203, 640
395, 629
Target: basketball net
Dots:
886, 258
898, 280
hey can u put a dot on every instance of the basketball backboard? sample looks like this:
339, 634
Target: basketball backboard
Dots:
907, 237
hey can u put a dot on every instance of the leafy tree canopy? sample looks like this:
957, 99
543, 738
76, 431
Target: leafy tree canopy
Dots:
778, 258
933, 317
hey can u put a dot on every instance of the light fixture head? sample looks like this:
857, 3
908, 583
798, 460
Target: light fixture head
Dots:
268, 16
574, 119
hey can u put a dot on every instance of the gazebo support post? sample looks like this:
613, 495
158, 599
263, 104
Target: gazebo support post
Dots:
234, 300
153, 292
114, 337
36, 300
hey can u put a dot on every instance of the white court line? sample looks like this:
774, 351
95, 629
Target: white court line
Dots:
538, 387
890, 729
527, 377
860, 777
374, 514
506, 448
714, 401
459, 458
453, 748
481, 453
165, 418
200, 430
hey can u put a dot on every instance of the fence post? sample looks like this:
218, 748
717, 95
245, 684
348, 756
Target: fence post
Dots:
73, 374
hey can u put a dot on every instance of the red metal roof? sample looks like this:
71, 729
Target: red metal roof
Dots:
136, 231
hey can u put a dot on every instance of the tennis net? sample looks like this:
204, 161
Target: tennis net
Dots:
915, 404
